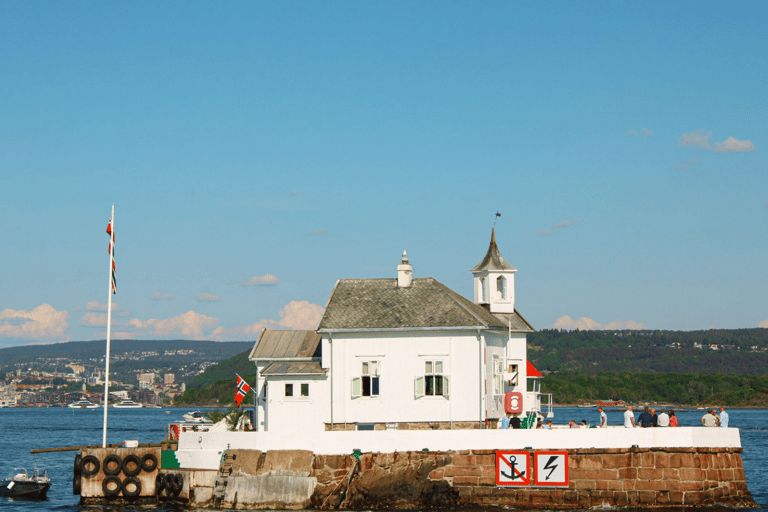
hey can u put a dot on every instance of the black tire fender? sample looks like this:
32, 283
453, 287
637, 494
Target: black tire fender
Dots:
131, 465
77, 469
77, 484
110, 460
131, 483
89, 460
170, 484
179, 484
159, 483
149, 462
109, 491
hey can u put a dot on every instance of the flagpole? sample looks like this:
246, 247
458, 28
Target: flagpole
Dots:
109, 323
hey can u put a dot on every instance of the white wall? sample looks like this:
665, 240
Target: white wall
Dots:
297, 414
402, 359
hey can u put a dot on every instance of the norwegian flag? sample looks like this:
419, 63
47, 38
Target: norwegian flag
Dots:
242, 389
112, 255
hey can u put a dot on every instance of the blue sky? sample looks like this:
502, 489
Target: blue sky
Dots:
257, 152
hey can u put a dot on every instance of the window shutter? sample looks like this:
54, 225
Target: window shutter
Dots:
418, 386
356, 387
446, 387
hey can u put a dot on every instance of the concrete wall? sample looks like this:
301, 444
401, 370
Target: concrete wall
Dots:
202, 450
613, 477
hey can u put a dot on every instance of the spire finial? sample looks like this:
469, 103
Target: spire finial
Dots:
497, 218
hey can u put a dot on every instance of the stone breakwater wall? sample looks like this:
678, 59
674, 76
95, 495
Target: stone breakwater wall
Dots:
614, 477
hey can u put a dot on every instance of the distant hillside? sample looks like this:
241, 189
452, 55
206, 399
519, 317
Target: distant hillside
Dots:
217, 384
739, 351
184, 358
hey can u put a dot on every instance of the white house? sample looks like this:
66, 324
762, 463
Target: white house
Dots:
402, 353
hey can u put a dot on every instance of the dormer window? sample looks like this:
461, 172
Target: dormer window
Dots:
501, 287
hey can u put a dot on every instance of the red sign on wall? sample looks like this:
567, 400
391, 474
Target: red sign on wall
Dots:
513, 468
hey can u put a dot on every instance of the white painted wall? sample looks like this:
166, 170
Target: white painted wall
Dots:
202, 450
297, 414
402, 357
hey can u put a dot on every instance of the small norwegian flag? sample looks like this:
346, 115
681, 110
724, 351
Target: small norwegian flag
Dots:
242, 389
112, 255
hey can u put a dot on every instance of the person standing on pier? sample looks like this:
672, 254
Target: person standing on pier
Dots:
603, 418
724, 418
629, 418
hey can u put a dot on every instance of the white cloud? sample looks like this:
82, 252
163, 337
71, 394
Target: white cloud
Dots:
295, 315
265, 280
700, 139
95, 305
587, 324
189, 325
207, 297
159, 296
645, 133
557, 227
732, 144
93, 320
42, 322
763, 324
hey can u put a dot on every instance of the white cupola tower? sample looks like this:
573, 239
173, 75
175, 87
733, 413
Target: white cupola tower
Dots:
404, 273
495, 281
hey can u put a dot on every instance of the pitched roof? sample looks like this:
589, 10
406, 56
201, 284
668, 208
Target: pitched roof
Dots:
493, 259
288, 368
286, 345
366, 304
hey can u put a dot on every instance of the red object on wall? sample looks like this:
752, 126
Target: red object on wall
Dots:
513, 402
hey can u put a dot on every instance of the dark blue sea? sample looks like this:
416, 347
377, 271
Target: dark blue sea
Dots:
24, 429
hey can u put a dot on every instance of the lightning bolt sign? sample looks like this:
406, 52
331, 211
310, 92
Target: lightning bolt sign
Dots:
551, 465
550, 468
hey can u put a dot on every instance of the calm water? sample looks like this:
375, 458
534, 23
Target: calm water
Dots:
25, 429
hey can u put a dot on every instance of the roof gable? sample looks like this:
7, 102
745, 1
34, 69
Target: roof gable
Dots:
493, 259
363, 304
273, 345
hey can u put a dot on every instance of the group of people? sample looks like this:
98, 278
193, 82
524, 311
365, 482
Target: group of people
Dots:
712, 419
649, 418
514, 421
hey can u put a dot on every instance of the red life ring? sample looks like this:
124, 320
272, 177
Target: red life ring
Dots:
513, 402
174, 433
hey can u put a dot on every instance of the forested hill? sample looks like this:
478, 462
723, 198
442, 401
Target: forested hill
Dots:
731, 351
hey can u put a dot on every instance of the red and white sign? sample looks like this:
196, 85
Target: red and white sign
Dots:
513, 468
550, 468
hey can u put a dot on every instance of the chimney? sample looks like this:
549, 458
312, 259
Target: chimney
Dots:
404, 273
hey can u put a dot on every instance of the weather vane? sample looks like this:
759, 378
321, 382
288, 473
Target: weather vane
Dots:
497, 218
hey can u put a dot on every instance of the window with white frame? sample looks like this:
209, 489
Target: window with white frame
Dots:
434, 382
368, 382
293, 390
498, 375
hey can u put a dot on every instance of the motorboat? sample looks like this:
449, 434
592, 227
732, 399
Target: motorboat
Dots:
196, 417
128, 404
21, 485
83, 403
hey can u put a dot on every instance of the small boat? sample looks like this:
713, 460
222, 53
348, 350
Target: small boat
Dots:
83, 404
128, 404
21, 485
196, 417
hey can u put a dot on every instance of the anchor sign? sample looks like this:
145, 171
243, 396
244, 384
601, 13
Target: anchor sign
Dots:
512, 468
550, 468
